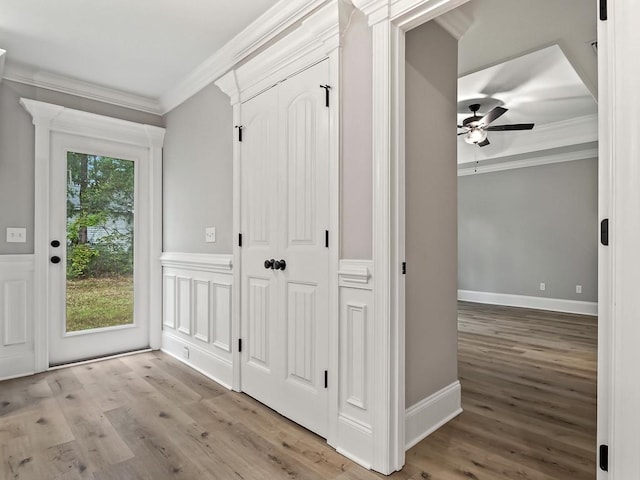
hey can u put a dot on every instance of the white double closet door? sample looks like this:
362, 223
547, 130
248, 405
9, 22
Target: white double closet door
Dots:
284, 167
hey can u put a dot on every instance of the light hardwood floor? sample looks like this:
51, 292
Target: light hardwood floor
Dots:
529, 399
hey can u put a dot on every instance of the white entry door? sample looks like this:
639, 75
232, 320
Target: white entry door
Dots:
96, 237
285, 259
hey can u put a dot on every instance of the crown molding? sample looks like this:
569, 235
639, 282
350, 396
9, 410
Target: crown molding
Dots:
578, 154
312, 41
564, 133
265, 28
456, 22
59, 83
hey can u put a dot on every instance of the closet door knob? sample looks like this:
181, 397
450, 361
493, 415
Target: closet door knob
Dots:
280, 265
269, 263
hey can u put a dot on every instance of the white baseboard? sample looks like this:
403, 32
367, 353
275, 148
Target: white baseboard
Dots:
210, 365
429, 414
539, 303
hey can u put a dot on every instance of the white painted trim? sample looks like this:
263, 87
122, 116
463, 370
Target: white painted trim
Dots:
390, 19
204, 361
78, 88
49, 118
429, 414
355, 274
76, 122
525, 301
605, 260
456, 22
207, 262
565, 133
265, 28
623, 355
583, 154
3, 56
312, 42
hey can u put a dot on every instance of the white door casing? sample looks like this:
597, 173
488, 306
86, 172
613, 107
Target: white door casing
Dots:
50, 119
66, 346
284, 214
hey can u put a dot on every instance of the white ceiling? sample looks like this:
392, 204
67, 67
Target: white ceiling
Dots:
535, 59
541, 87
142, 47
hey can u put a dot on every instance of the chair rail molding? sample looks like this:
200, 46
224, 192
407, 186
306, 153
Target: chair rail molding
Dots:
389, 20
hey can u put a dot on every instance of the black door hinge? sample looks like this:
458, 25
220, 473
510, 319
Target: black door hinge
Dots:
326, 238
239, 127
604, 458
240, 345
404, 268
239, 239
603, 10
326, 94
604, 232
326, 379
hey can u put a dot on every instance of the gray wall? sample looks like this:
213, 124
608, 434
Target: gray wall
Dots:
357, 186
17, 138
431, 212
198, 174
518, 228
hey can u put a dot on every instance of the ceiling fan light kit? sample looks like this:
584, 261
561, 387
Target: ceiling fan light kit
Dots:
476, 127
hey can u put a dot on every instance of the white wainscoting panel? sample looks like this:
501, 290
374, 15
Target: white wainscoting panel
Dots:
355, 413
197, 312
16, 316
429, 414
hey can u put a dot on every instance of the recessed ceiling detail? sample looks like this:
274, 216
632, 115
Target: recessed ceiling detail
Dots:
541, 87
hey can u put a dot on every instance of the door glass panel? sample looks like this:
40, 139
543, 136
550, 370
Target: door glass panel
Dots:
100, 213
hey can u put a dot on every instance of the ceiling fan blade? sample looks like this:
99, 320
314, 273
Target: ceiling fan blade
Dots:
492, 115
462, 133
514, 126
484, 143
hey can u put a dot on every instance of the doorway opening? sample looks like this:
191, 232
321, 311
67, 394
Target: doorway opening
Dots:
522, 371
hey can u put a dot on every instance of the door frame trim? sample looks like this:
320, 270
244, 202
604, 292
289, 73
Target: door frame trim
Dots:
47, 119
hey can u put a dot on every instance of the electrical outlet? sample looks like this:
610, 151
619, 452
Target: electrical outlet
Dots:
210, 234
578, 288
543, 287
185, 352
16, 235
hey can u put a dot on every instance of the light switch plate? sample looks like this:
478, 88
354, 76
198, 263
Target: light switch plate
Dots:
16, 235
210, 234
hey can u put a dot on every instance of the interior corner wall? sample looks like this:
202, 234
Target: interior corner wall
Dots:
519, 228
431, 211
357, 164
198, 174
17, 140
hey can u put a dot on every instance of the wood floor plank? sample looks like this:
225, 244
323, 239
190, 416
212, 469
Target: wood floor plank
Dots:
528, 394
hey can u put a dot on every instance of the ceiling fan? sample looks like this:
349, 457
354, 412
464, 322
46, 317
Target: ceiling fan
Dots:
476, 127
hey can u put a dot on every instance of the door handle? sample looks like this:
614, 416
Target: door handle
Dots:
269, 263
55, 259
55, 243
280, 265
